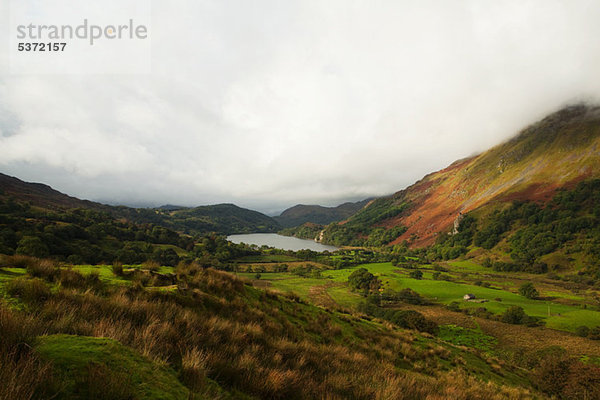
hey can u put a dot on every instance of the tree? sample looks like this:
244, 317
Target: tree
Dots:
32, 246
528, 290
363, 280
515, 315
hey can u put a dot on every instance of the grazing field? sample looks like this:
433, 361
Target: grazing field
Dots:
550, 309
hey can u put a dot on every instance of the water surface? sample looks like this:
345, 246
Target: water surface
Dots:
280, 242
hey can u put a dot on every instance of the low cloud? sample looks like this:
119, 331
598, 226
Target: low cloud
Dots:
268, 104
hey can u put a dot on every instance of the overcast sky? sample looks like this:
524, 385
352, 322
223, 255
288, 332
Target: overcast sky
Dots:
267, 104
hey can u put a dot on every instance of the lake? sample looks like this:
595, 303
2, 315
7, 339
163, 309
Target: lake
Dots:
280, 242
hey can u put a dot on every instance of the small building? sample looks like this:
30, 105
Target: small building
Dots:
469, 296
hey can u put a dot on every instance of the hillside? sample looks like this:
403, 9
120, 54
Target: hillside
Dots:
301, 214
42, 196
215, 336
557, 152
220, 218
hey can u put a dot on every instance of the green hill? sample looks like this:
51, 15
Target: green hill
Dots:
214, 336
301, 214
220, 218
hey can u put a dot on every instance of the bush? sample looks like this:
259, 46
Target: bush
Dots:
72, 279
416, 274
528, 290
582, 331
117, 268
410, 296
514, 315
34, 291
413, 320
151, 265
44, 269
17, 261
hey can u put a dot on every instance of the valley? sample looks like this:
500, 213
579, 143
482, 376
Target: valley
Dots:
480, 281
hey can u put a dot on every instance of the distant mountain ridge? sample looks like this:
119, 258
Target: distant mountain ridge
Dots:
557, 152
220, 218
315, 214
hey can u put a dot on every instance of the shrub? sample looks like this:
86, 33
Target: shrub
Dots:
44, 269
528, 290
151, 265
416, 274
34, 291
413, 320
516, 315
72, 279
410, 296
117, 268
17, 261
582, 331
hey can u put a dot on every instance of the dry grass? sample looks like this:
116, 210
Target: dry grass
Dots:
514, 336
219, 329
22, 374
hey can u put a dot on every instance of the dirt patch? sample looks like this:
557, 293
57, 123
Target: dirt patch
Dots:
319, 296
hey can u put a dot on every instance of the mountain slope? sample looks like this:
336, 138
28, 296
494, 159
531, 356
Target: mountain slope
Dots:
43, 196
556, 152
300, 214
220, 218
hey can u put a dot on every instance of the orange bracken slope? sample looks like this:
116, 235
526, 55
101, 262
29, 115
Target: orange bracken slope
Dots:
558, 151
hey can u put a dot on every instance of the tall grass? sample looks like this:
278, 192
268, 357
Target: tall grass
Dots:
220, 329
22, 374
212, 327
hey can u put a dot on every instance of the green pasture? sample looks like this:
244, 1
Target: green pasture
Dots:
556, 315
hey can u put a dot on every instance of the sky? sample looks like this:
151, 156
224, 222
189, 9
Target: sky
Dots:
267, 104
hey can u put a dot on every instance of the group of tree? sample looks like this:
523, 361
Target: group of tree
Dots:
89, 236
532, 230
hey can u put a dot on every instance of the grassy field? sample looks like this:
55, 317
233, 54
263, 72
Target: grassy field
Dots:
126, 374
266, 258
556, 315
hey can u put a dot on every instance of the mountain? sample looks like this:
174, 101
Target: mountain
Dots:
301, 214
220, 218
555, 153
43, 196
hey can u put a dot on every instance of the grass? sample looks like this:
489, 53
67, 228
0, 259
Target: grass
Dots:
215, 336
266, 258
473, 338
124, 372
562, 316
